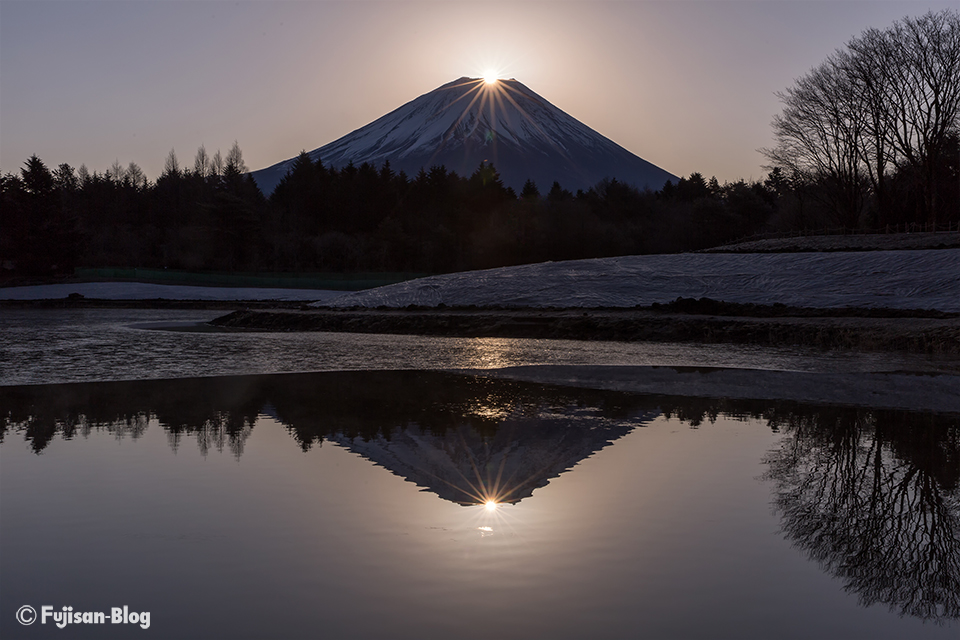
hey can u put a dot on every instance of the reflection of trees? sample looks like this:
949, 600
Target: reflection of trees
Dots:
221, 412
873, 497
218, 415
42, 424
466, 438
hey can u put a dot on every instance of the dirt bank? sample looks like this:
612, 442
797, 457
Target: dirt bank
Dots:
854, 329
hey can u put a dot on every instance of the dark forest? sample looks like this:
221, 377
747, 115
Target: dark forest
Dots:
867, 140
322, 219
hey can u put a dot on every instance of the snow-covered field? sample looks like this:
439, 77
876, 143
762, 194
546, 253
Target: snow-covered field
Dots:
142, 291
923, 279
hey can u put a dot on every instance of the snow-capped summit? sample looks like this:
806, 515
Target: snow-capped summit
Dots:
468, 121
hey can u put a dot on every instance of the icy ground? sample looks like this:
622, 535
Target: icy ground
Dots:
923, 279
142, 291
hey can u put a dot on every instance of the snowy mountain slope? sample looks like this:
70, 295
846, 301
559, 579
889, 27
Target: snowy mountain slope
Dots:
467, 121
925, 279
467, 467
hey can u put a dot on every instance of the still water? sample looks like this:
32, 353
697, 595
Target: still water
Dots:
355, 505
430, 504
44, 346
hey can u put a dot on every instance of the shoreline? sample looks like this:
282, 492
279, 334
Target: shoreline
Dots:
931, 333
707, 321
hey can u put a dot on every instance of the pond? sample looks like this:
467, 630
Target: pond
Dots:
428, 504
412, 503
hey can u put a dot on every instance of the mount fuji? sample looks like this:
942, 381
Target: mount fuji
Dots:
469, 121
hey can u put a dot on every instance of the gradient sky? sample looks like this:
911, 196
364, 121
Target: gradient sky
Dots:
687, 85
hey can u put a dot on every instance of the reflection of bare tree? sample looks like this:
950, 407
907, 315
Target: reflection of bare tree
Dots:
221, 431
873, 497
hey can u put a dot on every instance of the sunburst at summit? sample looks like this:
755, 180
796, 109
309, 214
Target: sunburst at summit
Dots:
473, 120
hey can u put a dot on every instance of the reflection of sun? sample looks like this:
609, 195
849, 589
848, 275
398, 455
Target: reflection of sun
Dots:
492, 353
493, 517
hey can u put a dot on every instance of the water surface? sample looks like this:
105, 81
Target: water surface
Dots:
353, 504
49, 345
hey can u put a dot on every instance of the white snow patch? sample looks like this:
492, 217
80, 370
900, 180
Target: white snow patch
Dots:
926, 279
143, 291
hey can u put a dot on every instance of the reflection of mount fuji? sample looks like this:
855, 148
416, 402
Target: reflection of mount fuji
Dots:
873, 496
466, 466
468, 439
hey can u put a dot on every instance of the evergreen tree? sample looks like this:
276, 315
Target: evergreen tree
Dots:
37, 179
558, 194
48, 242
530, 191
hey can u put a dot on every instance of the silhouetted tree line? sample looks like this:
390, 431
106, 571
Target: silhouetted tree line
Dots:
207, 218
871, 137
320, 218
356, 218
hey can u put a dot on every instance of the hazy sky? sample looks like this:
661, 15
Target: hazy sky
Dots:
687, 85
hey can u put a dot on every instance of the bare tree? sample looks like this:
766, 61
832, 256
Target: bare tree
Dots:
865, 73
235, 164
116, 172
216, 165
136, 177
171, 167
201, 163
890, 100
819, 136
918, 68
